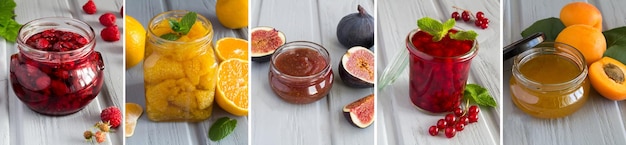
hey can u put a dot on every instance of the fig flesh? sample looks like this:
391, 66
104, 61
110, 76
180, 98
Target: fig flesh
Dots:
360, 113
265, 40
356, 29
356, 67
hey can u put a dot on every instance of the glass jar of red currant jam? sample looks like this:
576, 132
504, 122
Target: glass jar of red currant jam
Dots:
439, 70
57, 71
300, 72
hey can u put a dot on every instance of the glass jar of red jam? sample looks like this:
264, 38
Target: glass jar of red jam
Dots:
57, 71
438, 70
300, 72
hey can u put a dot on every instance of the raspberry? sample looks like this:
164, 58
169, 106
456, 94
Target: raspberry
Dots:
110, 33
89, 7
107, 19
100, 136
112, 115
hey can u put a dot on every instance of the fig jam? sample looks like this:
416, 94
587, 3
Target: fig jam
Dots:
57, 71
439, 70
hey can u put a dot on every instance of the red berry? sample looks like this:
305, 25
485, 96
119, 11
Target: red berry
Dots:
110, 34
433, 130
441, 124
42, 43
100, 136
478, 23
458, 112
450, 119
473, 110
473, 118
450, 132
112, 115
484, 25
463, 120
460, 126
89, 7
107, 19
465, 16
480, 15
455, 15
42, 82
485, 21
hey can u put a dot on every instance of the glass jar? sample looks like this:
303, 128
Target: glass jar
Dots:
179, 76
438, 75
300, 72
550, 80
56, 82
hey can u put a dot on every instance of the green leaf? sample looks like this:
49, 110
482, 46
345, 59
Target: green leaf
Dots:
170, 36
6, 8
433, 27
478, 94
464, 35
222, 128
187, 21
616, 43
174, 25
551, 27
9, 28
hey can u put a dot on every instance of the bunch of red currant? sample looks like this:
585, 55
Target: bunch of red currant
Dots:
451, 124
479, 20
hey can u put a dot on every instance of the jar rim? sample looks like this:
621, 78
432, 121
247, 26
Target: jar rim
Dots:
550, 48
466, 56
179, 13
301, 44
22, 37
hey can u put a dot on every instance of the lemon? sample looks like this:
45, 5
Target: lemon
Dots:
233, 14
135, 41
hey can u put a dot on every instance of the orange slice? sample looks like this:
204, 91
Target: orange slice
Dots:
232, 86
133, 112
229, 47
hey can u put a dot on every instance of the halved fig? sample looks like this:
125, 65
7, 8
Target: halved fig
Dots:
360, 113
357, 67
265, 40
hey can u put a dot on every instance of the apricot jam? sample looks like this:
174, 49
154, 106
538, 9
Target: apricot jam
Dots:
549, 81
57, 71
439, 70
300, 72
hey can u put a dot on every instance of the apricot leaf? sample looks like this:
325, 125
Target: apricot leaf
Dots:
551, 27
616, 43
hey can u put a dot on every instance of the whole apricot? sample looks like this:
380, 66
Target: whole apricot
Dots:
581, 13
590, 42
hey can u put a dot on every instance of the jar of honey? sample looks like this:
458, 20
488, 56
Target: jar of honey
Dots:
550, 80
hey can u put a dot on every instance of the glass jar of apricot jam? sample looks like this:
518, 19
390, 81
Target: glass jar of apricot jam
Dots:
550, 80
300, 72
439, 70
57, 71
179, 75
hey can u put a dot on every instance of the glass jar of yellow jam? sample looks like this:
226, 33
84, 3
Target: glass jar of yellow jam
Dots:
550, 80
179, 75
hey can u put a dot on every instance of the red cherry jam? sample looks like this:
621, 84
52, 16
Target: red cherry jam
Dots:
439, 70
57, 71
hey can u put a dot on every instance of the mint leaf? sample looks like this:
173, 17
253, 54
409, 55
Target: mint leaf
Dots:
174, 25
464, 35
222, 128
551, 27
187, 21
479, 95
170, 36
6, 8
435, 27
9, 28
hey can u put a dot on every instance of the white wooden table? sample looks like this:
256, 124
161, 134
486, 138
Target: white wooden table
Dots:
399, 122
19, 124
277, 122
178, 133
599, 121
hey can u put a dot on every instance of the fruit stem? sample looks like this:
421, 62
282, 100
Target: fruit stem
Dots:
362, 11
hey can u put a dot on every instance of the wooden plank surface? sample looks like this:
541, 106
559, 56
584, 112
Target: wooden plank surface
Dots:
399, 122
178, 133
322, 122
599, 121
20, 124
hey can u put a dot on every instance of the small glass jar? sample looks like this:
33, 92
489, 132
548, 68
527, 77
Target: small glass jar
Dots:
179, 76
300, 72
550, 80
56, 82
437, 82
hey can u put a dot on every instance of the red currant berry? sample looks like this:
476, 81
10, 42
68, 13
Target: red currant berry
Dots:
478, 23
450, 119
463, 120
465, 16
450, 132
480, 15
455, 15
433, 130
441, 124
485, 21
473, 118
473, 110
484, 25
460, 126
458, 112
